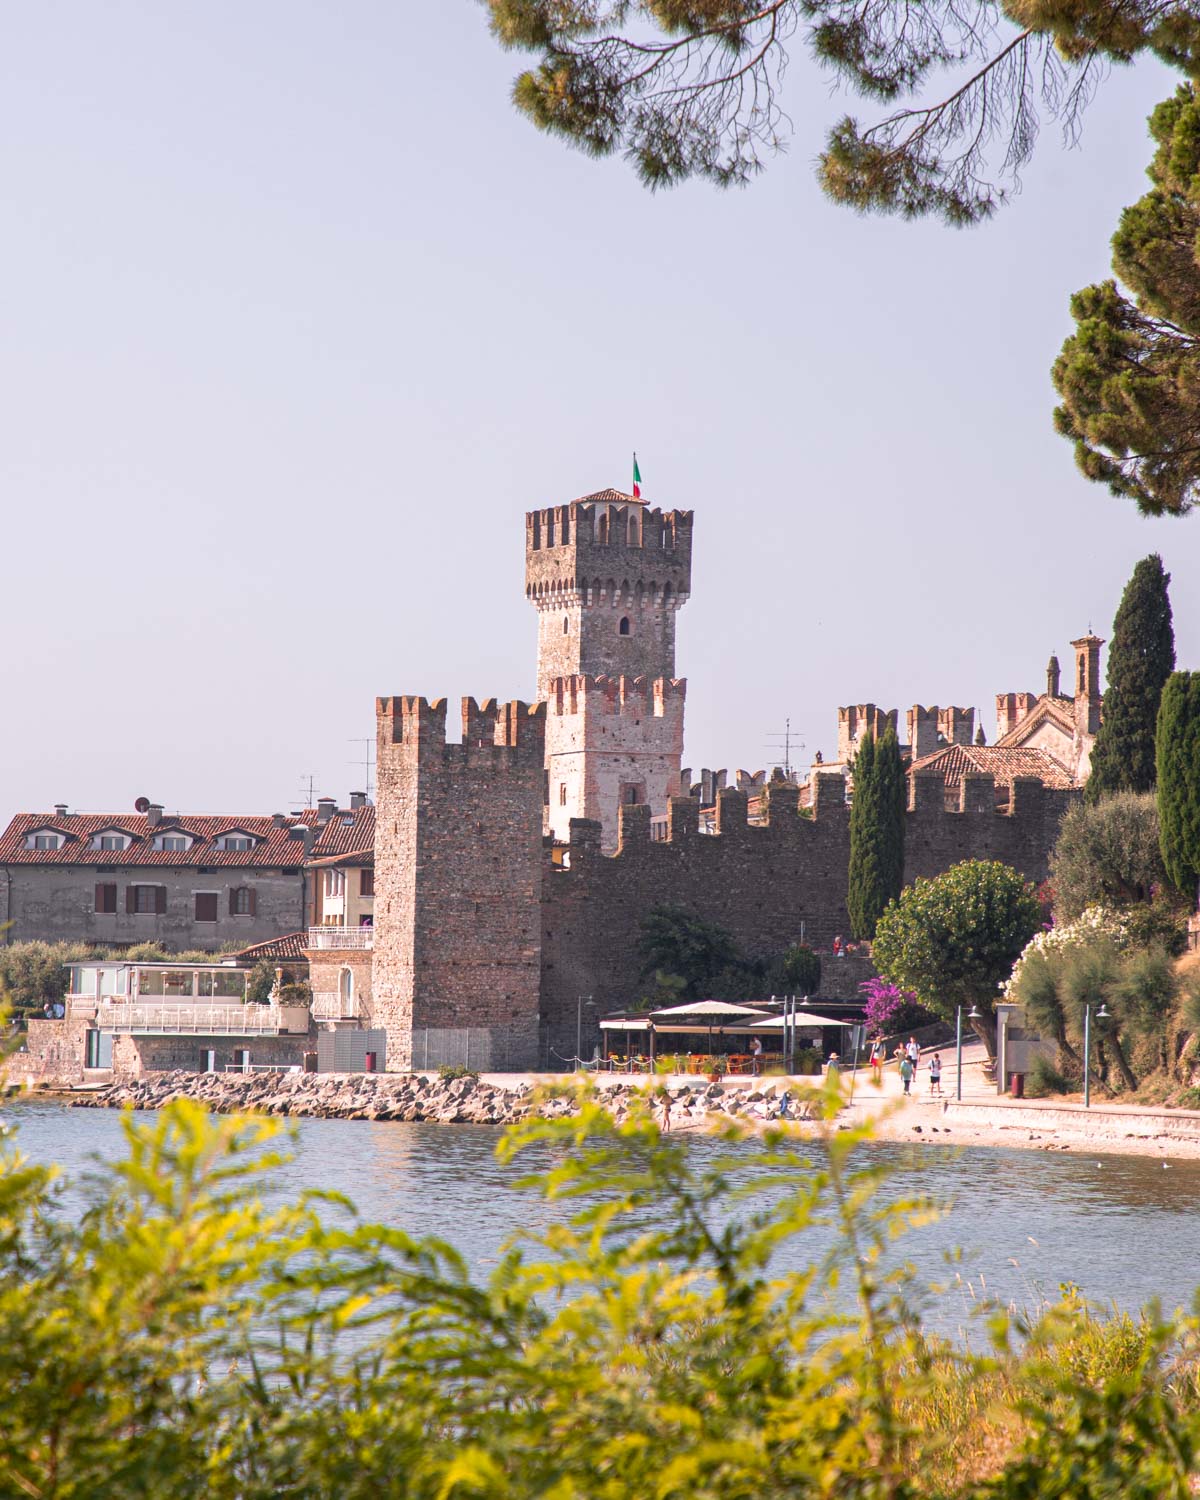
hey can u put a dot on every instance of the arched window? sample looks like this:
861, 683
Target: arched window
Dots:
602, 528
566, 625
623, 628
633, 531
562, 794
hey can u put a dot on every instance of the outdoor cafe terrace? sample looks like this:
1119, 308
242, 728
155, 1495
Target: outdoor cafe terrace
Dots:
717, 1036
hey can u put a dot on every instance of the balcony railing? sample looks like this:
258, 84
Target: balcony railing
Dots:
206, 1020
328, 1005
341, 937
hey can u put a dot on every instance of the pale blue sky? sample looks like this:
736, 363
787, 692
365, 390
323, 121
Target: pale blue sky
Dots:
299, 319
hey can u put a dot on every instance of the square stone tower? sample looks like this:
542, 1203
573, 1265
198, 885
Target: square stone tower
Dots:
607, 575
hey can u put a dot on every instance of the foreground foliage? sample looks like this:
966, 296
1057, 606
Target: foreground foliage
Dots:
692, 88
187, 1338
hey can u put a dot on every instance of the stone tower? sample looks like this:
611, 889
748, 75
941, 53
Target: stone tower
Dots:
458, 879
607, 574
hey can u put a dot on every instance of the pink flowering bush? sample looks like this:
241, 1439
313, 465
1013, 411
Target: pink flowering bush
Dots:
889, 1008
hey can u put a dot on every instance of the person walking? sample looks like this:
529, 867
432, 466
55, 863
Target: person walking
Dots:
906, 1072
935, 1075
878, 1058
914, 1053
755, 1056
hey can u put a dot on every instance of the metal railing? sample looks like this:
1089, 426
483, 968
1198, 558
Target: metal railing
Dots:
341, 937
329, 1005
207, 1020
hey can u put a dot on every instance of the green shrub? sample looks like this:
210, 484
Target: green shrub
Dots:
453, 1070
192, 1337
1045, 1079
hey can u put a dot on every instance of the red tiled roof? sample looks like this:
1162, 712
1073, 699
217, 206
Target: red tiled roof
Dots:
290, 945
276, 846
612, 497
348, 832
952, 762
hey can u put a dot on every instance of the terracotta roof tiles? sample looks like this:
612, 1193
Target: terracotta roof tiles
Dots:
953, 762
273, 846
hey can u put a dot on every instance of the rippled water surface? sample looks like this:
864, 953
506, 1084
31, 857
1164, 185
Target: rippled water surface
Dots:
1125, 1229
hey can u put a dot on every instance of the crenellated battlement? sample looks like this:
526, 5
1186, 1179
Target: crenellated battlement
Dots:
489, 726
1011, 708
636, 697
932, 728
929, 822
856, 720
608, 520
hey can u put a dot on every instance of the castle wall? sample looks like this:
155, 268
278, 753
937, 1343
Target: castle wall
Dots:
611, 741
769, 885
458, 874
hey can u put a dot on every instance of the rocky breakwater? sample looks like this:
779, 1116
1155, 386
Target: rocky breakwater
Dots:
324, 1096
418, 1097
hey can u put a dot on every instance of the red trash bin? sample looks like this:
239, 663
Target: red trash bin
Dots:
1016, 1085
369, 1063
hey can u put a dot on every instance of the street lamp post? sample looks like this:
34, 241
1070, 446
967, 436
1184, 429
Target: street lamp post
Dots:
581, 1001
1101, 1015
972, 1015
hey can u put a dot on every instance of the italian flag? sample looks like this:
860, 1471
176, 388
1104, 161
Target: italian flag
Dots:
637, 479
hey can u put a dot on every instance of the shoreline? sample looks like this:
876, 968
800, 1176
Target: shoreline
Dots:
501, 1099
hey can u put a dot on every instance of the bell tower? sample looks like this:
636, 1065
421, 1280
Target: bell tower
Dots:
607, 575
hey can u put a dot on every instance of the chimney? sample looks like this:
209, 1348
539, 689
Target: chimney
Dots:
1052, 677
154, 814
60, 809
326, 807
358, 799
278, 820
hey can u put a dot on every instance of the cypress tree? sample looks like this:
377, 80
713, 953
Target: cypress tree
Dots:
1179, 779
865, 873
891, 801
1140, 659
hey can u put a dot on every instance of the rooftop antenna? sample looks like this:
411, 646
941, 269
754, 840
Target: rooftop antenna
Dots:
787, 742
308, 783
367, 763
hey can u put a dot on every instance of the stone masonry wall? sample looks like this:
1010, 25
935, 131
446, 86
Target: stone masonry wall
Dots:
458, 873
759, 882
58, 902
610, 741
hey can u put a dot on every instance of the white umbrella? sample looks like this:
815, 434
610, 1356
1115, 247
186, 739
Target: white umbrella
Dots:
712, 1008
799, 1018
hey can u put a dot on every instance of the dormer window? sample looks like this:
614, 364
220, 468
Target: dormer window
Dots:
44, 840
236, 843
174, 843
110, 839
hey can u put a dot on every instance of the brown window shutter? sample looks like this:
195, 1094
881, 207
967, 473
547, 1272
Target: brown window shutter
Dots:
160, 899
131, 898
253, 908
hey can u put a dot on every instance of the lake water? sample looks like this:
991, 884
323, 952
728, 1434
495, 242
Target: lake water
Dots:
1123, 1228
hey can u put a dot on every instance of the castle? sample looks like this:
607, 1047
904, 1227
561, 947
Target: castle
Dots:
513, 868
